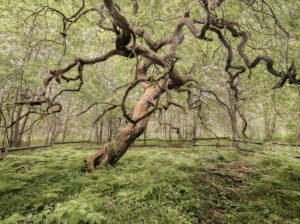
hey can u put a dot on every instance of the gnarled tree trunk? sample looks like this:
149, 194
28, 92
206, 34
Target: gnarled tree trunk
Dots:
113, 151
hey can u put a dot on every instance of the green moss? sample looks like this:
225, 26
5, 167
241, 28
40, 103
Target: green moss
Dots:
168, 185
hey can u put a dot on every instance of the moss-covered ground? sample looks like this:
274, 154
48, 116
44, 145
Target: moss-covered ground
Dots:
152, 185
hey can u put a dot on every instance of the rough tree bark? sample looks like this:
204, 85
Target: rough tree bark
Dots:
113, 151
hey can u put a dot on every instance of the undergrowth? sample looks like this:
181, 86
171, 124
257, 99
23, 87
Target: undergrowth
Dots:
152, 185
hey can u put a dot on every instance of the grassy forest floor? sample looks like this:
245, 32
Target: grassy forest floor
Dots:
152, 185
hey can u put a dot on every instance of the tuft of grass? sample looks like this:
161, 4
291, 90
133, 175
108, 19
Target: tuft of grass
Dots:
152, 185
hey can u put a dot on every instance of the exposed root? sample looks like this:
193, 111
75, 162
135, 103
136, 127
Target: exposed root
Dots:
99, 159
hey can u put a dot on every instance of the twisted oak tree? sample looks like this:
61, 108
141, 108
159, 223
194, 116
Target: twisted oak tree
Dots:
147, 53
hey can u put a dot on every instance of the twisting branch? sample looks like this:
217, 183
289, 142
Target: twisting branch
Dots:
106, 111
245, 124
92, 105
289, 75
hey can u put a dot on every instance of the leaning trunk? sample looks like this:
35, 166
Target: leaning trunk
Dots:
111, 152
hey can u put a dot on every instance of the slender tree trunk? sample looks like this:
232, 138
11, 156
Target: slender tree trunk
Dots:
12, 118
109, 130
182, 130
56, 130
3, 137
165, 127
16, 128
97, 133
66, 126
101, 131
113, 151
49, 133
170, 128
273, 127
53, 132
194, 131
233, 119
20, 135
170, 134
65, 129
234, 129
28, 142
3, 132
270, 126
11, 134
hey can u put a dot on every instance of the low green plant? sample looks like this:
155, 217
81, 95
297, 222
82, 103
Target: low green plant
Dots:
157, 185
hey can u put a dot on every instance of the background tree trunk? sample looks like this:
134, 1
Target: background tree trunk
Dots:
233, 119
194, 131
29, 136
109, 130
48, 132
66, 124
21, 133
16, 128
101, 131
